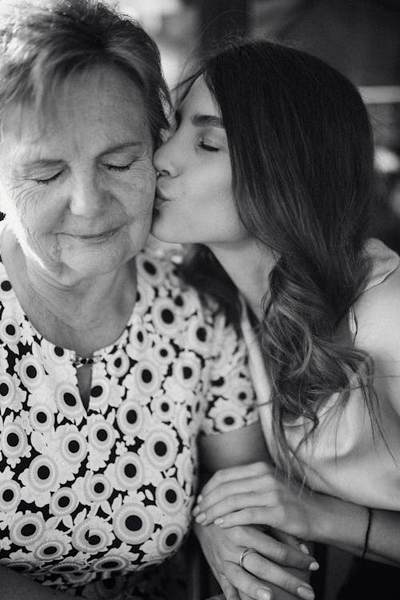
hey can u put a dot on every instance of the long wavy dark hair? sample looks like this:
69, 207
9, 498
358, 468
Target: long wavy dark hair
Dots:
301, 150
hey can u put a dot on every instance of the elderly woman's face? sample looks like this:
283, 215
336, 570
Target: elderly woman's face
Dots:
77, 184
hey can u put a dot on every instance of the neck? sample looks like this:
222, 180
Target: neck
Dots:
82, 314
248, 264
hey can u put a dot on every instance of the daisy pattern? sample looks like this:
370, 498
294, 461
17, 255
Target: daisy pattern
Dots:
86, 493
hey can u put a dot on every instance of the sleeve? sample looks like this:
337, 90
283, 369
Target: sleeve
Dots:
230, 398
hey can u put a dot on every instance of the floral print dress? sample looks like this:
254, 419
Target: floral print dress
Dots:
89, 497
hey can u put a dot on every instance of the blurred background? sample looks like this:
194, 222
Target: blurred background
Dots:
361, 38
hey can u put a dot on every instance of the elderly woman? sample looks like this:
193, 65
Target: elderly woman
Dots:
111, 370
109, 367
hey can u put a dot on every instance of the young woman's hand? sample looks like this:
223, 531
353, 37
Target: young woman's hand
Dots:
255, 495
265, 571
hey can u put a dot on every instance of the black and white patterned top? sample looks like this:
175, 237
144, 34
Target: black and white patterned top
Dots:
92, 494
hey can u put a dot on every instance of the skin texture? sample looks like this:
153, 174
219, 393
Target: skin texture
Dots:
194, 200
77, 185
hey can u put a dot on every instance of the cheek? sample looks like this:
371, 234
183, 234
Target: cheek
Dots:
140, 190
215, 183
19, 200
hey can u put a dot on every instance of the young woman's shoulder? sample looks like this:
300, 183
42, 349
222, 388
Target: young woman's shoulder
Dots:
376, 313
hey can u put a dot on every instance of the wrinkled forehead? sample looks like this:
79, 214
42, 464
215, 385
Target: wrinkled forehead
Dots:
110, 89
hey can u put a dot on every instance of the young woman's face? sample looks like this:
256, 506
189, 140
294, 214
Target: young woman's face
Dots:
194, 202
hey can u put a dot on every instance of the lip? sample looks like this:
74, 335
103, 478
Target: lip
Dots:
96, 237
160, 199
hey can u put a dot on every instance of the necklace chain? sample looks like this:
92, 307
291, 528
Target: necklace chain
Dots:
79, 361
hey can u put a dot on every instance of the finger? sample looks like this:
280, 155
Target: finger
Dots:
254, 515
230, 592
231, 492
245, 502
286, 538
247, 584
276, 551
232, 473
244, 596
294, 542
263, 569
223, 493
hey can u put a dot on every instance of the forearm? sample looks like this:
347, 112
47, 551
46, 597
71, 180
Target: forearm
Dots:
344, 524
20, 587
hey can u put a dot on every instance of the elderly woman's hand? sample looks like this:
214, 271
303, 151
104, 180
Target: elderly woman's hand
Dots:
255, 494
250, 575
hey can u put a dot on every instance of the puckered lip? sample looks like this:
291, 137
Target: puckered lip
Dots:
161, 196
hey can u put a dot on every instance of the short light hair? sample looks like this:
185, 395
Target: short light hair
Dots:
42, 42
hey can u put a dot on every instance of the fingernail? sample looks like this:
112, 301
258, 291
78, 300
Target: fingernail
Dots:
218, 521
306, 592
264, 594
199, 498
314, 566
304, 549
196, 510
201, 517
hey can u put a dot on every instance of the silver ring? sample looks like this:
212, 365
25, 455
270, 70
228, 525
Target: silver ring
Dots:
244, 553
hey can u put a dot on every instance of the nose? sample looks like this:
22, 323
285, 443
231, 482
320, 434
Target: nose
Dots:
166, 160
163, 173
87, 198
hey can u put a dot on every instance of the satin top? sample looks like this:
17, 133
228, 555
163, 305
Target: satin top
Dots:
342, 458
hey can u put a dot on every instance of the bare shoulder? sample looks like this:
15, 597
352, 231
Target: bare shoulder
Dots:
378, 319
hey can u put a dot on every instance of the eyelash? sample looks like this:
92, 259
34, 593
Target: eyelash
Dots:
119, 169
48, 181
109, 167
207, 147
175, 126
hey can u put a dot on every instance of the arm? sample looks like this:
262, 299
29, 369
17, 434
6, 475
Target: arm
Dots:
267, 569
256, 495
20, 587
345, 525
326, 518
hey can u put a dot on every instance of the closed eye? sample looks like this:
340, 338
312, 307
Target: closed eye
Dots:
207, 147
119, 168
49, 179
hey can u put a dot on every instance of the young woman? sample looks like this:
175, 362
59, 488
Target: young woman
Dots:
270, 173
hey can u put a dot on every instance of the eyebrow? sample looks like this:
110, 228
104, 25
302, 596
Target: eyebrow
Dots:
207, 121
44, 162
49, 162
121, 147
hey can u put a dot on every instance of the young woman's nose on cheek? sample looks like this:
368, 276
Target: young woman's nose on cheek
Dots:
167, 159
159, 160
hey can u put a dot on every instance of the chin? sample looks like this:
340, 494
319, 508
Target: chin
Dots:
173, 231
159, 231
